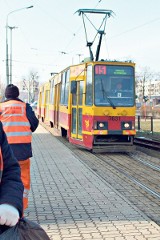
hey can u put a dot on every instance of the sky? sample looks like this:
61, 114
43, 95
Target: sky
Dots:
50, 36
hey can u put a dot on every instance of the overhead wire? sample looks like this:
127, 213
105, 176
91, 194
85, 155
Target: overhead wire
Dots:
75, 33
35, 63
135, 28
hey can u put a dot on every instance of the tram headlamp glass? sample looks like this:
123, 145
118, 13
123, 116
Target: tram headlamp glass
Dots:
100, 125
126, 125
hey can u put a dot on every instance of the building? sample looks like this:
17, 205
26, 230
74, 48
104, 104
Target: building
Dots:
150, 89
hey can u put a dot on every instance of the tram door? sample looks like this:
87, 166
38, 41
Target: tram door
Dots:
56, 107
76, 110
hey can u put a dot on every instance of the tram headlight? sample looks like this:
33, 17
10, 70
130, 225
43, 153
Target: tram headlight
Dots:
126, 125
100, 125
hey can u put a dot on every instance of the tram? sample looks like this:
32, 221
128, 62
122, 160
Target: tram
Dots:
92, 104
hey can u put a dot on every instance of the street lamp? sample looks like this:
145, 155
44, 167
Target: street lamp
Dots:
9, 71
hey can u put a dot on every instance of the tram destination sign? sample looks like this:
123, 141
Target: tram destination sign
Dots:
113, 70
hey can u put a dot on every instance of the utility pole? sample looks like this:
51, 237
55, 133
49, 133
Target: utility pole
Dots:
7, 65
10, 73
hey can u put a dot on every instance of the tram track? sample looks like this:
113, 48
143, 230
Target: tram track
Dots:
135, 175
147, 143
133, 179
141, 195
154, 167
129, 175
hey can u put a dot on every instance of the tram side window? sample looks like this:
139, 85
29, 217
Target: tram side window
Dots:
43, 97
65, 88
62, 88
81, 83
74, 99
47, 96
89, 86
52, 93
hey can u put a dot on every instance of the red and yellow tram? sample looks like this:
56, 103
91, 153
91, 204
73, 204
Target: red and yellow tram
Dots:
92, 104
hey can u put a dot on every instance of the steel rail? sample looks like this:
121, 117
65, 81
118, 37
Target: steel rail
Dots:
143, 186
146, 142
154, 167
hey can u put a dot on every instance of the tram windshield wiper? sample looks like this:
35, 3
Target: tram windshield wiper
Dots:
105, 95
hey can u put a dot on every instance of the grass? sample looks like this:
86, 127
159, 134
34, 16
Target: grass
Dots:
146, 128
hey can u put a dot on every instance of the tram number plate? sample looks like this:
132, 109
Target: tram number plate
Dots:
114, 118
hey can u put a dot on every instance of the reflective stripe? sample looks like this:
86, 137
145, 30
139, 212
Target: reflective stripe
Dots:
13, 134
15, 114
15, 122
11, 108
11, 104
5, 124
25, 193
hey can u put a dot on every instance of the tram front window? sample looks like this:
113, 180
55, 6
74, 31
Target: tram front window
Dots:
114, 86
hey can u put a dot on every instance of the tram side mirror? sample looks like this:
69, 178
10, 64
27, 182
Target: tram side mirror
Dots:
73, 87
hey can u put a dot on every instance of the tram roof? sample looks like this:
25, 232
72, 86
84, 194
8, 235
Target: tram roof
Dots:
100, 11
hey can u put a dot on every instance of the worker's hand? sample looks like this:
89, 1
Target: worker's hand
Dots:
9, 215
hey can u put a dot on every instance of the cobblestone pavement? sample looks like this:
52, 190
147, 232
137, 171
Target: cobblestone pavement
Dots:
71, 202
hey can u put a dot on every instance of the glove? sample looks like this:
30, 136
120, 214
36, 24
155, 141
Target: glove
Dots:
9, 215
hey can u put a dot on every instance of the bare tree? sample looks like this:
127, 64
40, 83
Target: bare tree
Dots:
144, 77
31, 84
146, 89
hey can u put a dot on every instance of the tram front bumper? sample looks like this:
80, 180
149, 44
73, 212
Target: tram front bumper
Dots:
114, 148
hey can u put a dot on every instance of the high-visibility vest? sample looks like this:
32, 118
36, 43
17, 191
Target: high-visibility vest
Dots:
1, 164
15, 122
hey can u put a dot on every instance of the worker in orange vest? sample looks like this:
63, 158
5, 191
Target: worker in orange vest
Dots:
19, 121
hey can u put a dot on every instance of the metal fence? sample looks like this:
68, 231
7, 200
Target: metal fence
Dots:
147, 124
